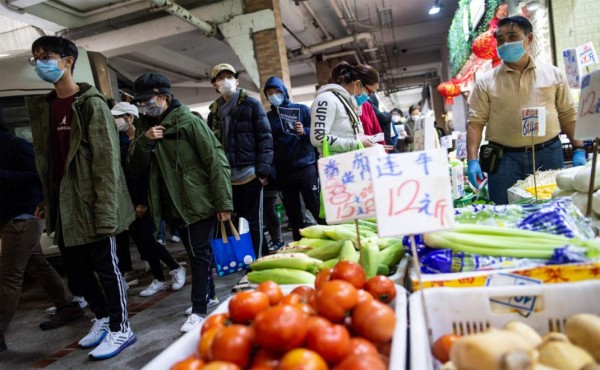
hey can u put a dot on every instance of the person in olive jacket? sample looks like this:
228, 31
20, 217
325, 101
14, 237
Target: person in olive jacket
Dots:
240, 123
189, 177
86, 200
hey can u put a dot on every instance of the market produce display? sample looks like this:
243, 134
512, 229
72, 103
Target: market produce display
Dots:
323, 246
344, 322
518, 346
574, 183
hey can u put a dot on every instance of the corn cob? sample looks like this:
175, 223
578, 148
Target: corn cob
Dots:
294, 249
370, 257
326, 252
340, 232
297, 261
348, 252
281, 276
314, 232
384, 243
329, 264
392, 255
365, 232
308, 242
383, 270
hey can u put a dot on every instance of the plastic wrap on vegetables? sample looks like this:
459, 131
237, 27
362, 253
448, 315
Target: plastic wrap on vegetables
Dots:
570, 254
440, 261
558, 217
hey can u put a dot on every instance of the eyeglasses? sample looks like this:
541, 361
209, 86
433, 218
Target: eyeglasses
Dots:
142, 103
45, 57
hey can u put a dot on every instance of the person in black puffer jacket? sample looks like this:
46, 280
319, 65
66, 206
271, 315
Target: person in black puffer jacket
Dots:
239, 122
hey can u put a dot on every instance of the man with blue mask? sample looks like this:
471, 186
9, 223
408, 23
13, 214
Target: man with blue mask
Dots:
497, 101
86, 202
294, 157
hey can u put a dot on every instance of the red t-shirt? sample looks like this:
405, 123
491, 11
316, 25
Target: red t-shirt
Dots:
369, 120
61, 114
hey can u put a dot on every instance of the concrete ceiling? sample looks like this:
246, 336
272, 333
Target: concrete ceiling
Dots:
137, 37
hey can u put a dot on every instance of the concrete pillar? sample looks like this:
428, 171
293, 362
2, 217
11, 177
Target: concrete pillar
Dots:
271, 57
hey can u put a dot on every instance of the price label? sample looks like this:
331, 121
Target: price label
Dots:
587, 54
412, 192
533, 121
461, 145
346, 184
588, 114
446, 142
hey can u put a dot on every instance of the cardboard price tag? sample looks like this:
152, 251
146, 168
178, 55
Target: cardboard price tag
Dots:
446, 141
533, 121
588, 114
461, 145
346, 184
572, 68
587, 54
412, 192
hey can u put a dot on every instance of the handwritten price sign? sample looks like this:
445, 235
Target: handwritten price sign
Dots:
572, 68
412, 192
346, 184
533, 121
588, 114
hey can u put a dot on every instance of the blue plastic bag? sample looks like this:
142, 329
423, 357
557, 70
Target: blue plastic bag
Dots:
232, 253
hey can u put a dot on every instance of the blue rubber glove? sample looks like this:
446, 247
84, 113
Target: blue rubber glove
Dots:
579, 158
474, 173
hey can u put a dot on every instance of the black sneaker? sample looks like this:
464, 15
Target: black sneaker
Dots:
63, 315
273, 246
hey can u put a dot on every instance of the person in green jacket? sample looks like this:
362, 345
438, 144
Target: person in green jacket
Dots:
86, 200
190, 178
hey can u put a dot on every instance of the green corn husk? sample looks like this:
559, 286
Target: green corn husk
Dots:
329, 264
384, 243
383, 270
281, 276
314, 231
326, 252
340, 232
392, 255
348, 252
297, 261
314, 242
370, 258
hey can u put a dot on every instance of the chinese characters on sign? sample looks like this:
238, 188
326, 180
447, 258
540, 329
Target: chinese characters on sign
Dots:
587, 54
424, 135
533, 121
575, 61
588, 114
461, 145
346, 185
412, 192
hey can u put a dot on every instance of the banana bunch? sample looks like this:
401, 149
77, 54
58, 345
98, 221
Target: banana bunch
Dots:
323, 246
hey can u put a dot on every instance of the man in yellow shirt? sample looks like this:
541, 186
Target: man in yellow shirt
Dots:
497, 100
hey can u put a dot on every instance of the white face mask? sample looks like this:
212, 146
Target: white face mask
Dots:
227, 86
122, 124
396, 119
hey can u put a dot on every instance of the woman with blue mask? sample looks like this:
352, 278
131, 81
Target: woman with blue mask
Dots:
337, 107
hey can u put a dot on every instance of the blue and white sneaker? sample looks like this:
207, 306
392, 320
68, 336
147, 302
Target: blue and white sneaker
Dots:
112, 344
96, 333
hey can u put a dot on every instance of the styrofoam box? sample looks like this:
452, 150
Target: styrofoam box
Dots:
471, 310
187, 344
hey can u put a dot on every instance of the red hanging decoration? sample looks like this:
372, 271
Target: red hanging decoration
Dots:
448, 90
484, 46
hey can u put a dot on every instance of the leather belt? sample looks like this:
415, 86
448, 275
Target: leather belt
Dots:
537, 147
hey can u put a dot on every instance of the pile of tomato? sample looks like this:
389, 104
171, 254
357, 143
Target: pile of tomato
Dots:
343, 323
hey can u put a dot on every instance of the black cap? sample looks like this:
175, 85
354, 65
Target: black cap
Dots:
150, 84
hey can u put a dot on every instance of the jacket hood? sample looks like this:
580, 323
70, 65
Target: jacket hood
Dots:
276, 82
340, 90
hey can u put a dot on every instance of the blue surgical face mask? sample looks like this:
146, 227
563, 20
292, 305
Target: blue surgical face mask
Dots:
49, 71
511, 52
361, 99
276, 99
152, 109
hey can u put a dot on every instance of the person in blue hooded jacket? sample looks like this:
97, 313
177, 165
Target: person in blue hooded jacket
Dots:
294, 158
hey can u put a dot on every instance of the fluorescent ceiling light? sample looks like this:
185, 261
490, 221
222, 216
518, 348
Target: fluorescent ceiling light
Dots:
435, 8
4, 55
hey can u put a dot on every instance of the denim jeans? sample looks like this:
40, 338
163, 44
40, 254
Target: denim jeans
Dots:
516, 166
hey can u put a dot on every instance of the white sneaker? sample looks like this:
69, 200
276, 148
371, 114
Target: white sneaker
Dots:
178, 276
175, 239
96, 333
193, 322
82, 303
155, 287
112, 344
211, 303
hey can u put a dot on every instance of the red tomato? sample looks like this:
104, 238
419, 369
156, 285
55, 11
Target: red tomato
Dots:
361, 346
361, 362
304, 292
381, 288
272, 290
190, 363
234, 344
351, 272
264, 358
322, 277
244, 306
335, 299
364, 296
291, 299
332, 342
215, 321
306, 308
317, 321
302, 359
205, 343
441, 347
221, 365
374, 321
280, 328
